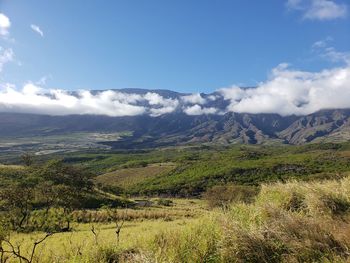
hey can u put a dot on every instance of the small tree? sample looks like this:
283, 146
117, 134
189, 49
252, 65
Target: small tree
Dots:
66, 187
118, 220
17, 201
27, 159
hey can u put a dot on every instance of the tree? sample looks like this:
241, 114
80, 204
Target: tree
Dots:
17, 202
59, 173
66, 187
26, 203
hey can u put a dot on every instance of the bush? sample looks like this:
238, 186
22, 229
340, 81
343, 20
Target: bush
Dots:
165, 202
338, 205
224, 195
283, 237
296, 203
113, 255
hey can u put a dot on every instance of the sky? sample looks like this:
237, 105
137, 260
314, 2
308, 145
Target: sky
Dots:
295, 52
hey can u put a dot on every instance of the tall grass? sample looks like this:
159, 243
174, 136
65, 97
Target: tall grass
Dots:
292, 222
287, 222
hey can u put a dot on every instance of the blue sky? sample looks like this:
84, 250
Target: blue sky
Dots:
183, 45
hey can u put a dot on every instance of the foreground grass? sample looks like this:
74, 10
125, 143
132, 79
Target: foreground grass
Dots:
139, 229
81, 245
290, 222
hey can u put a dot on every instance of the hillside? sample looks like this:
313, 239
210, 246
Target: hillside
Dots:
179, 129
191, 171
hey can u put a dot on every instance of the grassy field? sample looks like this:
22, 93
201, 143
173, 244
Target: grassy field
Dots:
81, 245
287, 204
140, 228
126, 178
286, 222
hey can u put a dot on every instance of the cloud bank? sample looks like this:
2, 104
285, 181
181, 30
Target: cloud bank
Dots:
293, 92
286, 92
33, 99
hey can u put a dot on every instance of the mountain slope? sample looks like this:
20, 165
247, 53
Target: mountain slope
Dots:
178, 128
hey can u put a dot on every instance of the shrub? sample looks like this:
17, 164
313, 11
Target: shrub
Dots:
296, 203
284, 237
337, 205
165, 202
113, 255
224, 195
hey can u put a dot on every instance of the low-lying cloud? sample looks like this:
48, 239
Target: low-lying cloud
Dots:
32, 99
198, 110
286, 92
293, 92
194, 98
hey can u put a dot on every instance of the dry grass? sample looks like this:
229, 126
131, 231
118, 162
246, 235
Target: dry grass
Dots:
128, 177
292, 222
80, 246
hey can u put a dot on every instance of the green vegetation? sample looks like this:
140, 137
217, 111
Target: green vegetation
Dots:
246, 204
126, 178
195, 169
286, 222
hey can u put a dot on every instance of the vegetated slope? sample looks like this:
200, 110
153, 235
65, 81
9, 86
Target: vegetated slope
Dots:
126, 178
200, 168
285, 222
292, 222
31, 177
178, 128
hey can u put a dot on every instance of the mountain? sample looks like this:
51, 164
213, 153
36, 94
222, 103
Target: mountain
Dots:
156, 127
179, 128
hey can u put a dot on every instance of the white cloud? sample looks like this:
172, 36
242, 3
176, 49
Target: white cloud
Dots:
6, 55
194, 98
198, 110
33, 99
319, 9
155, 112
213, 97
325, 51
4, 25
322, 43
164, 105
336, 56
37, 29
293, 92
287, 91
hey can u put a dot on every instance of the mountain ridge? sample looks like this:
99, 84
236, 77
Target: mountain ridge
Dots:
179, 128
